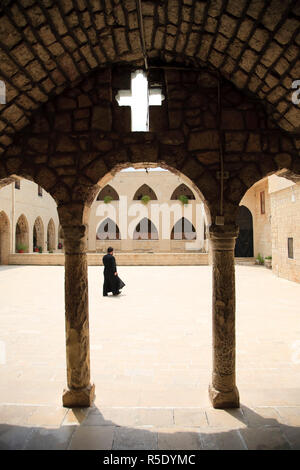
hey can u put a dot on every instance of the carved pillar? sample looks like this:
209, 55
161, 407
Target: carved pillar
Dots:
223, 391
80, 392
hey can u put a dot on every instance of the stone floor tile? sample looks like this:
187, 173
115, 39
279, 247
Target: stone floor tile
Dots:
292, 435
75, 416
190, 417
92, 438
16, 414
14, 437
47, 416
221, 439
231, 418
155, 417
289, 415
111, 417
135, 439
261, 416
50, 438
264, 438
178, 438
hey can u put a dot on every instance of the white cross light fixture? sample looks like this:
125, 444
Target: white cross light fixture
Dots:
139, 98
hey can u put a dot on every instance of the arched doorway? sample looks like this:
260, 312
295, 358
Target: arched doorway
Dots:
4, 238
145, 230
183, 230
51, 236
38, 234
244, 242
22, 235
108, 230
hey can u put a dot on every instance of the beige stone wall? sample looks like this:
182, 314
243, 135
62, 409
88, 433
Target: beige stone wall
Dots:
262, 242
26, 201
123, 259
285, 208
163, 183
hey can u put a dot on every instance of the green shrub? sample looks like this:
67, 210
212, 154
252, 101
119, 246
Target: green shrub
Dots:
145, 199
107, 199
183, 199
260, 259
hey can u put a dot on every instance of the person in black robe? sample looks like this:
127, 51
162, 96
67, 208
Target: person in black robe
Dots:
112, 282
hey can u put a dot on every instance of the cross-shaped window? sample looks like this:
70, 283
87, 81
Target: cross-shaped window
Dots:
139, 98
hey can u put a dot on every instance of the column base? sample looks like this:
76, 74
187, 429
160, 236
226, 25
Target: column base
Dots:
224, 400
82, 397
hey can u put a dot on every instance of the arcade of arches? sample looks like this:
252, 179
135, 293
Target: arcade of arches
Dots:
227, 120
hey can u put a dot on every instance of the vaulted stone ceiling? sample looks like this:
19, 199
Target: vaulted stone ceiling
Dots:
46, 46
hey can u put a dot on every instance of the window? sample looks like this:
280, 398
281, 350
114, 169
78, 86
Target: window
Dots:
291, 248
40, 191
262, 202
17, 184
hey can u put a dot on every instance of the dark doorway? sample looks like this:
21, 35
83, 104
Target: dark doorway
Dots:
244, 242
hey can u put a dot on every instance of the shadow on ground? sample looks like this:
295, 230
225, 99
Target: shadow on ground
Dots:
89, 429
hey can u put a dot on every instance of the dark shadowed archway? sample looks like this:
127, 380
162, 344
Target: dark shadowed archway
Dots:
244, 242
4, 238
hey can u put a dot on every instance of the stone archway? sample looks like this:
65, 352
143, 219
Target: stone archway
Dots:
145, 230
183, 230
38, 234
144, 190
22, 235
108, 230
51, 236
244, 242
182, 190
4, 238
108, 192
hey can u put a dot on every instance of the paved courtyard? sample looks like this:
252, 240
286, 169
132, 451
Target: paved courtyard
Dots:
150, 361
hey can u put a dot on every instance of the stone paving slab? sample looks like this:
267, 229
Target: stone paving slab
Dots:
150, 361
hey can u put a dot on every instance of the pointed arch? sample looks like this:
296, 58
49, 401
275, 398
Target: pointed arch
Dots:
22, 234
4, 238
108, 230
183, 230
38, 234
184, 190
145, 230
145, 190
108, 190
51, 235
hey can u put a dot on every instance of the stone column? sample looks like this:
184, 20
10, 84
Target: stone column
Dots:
223, 391
80, 392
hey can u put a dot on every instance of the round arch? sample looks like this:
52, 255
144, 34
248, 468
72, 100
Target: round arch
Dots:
51, 235
22, 235
4, 238
38, 234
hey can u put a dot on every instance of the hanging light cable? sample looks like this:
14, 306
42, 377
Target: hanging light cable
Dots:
142, 31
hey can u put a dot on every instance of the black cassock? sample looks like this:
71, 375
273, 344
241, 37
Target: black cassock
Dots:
112, 283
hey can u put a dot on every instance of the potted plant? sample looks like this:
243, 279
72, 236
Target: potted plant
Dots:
268, 262
145, 199
59, 246
183, 199
21, 248
259, 259
107, 199
40, 249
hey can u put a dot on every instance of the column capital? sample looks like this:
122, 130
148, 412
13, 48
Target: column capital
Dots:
74, 232
223, 236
